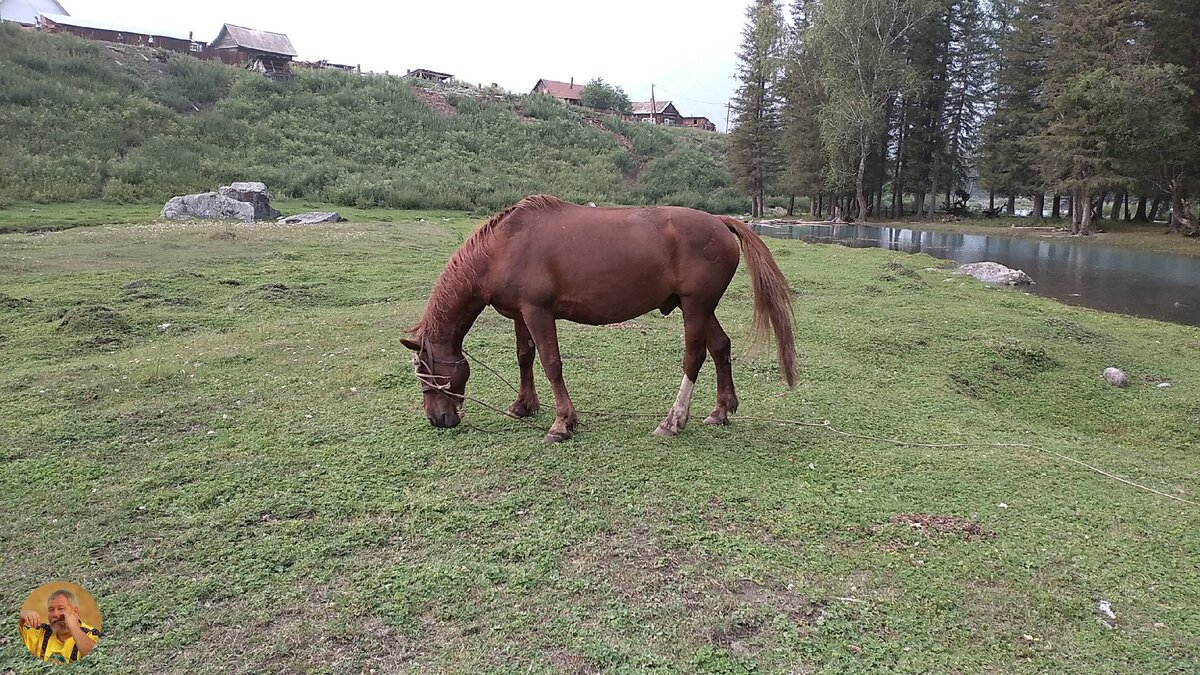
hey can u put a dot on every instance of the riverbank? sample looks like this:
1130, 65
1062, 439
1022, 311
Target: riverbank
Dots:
215, 429
32, 217
1113, 234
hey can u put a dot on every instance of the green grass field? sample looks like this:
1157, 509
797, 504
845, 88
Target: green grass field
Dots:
215, 429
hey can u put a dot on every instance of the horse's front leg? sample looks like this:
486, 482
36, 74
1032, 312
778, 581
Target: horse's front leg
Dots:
545, 337
695, 335
527, 398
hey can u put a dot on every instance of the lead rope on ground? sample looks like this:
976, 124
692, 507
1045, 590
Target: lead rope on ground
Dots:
830, 428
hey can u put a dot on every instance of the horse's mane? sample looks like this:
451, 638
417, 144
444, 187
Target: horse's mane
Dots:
466, 265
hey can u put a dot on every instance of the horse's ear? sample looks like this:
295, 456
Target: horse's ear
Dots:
416, 347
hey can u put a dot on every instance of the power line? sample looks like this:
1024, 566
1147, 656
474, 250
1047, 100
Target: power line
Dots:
690, 100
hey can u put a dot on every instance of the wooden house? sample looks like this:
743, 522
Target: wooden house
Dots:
25, 12
662, 112
702, 123
263, 51
568, 92
429, 75
112, 31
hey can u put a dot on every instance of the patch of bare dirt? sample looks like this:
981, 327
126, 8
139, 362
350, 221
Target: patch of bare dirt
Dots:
436, 100
147, 64
564, 661
627, 325
941, 526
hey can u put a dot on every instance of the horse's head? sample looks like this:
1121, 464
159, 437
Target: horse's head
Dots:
442, 371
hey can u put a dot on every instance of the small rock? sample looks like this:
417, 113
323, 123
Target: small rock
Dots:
1116, 377
311, 217
1163, 385
1106, 609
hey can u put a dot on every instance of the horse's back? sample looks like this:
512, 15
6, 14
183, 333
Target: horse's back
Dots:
601, 265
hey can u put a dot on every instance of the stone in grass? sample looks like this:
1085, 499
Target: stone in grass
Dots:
207, 205
1116, 377
311, 217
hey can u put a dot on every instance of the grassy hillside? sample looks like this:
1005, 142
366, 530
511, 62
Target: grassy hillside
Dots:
84, 121
216, 431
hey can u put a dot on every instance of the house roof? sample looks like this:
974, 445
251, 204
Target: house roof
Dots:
101, 24
258, 40
560, 89
419, 72
643, 107
26, 11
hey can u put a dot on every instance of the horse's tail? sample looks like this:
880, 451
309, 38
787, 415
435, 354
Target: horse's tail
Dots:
772, 297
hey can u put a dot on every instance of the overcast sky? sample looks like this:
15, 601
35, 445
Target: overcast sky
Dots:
686, 49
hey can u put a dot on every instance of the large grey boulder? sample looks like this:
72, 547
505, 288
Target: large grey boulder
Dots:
311, 217
209, 205
995, 273
254, 193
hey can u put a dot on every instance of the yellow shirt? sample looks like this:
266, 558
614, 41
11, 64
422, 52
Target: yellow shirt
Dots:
44, 644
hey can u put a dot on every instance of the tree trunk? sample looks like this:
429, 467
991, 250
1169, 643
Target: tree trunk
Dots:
1070, 202
1154, 207
858, 182
1085, 218
1178, 221
1116, 207
1099, 207
1057, 212
920, 206
1012, 205
820, 206
1076, 209
792, 206
1039, 206
1141, 210
992, 200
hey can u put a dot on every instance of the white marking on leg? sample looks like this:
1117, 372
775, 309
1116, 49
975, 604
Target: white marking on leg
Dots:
683, 402
678, 417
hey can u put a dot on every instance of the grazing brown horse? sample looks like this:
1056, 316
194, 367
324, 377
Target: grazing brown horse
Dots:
544, 259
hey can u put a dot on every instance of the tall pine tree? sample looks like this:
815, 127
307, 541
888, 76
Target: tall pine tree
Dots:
803, 154
1008, 161
755, 141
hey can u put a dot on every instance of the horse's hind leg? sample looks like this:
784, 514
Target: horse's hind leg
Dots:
695, 328
719, 347
545, 337
527, 398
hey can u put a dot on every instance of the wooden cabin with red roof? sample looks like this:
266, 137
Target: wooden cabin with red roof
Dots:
568, 92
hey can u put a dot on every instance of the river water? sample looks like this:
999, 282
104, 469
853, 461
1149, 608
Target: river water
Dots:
1160, 286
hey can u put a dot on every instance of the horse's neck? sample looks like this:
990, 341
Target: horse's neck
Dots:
457, 309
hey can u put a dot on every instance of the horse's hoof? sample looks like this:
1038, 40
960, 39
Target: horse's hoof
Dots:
718, 420
556, 438
665, 431
521, 411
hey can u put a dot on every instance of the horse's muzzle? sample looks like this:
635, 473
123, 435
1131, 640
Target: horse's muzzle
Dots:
446, 420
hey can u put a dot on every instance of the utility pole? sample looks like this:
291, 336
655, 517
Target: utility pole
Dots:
726, 117
653, 108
